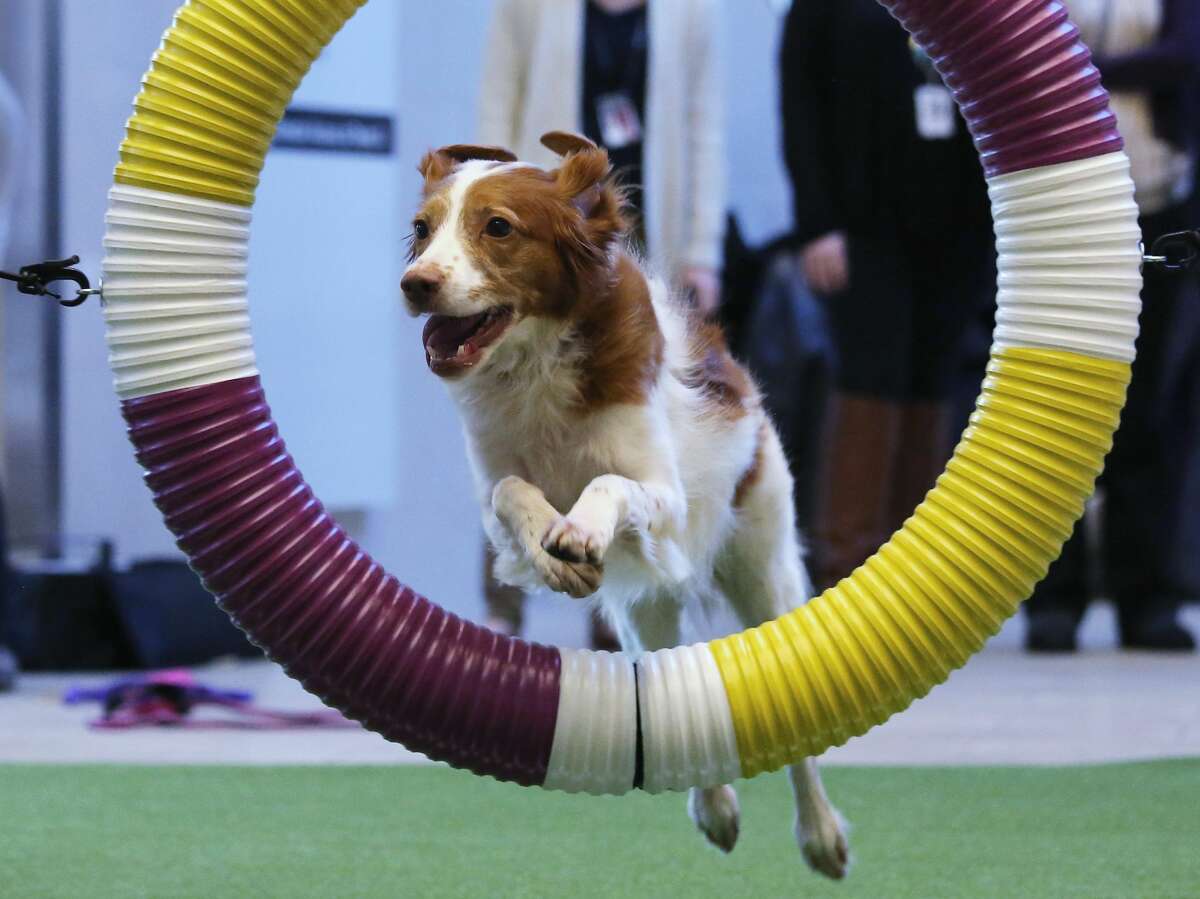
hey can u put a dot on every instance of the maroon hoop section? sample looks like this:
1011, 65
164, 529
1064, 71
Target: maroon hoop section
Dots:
1022, 77
293, 580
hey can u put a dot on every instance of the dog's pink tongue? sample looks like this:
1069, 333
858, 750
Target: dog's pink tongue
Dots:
444, 333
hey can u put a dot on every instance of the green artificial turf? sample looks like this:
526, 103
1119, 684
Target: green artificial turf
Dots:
1111, 831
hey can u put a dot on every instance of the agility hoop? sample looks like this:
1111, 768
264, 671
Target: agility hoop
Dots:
178, 228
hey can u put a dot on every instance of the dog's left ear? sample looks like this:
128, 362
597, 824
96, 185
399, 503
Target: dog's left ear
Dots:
584, 169
564, 143
586, 183
436, 165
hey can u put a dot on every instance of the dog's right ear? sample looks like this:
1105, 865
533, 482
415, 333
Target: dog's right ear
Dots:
467, 152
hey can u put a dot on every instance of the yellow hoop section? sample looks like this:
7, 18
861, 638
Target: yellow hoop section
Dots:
216, 90
957, 570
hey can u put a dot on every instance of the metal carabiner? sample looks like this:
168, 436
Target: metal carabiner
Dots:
35, 279
1178, 251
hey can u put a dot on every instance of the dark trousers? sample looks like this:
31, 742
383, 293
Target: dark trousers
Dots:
1144, 475
898, 328
5, 580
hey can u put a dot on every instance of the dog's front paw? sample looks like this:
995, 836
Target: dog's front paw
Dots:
576, 579
574, 541
823, 843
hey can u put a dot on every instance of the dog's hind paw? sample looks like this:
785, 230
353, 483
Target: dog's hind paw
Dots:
824, 845
715, 812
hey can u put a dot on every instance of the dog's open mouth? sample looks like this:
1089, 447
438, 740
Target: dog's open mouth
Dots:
453, 345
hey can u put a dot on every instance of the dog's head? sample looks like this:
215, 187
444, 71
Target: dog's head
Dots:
497, 242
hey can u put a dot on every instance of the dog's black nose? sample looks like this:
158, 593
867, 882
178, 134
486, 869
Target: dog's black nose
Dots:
421, 286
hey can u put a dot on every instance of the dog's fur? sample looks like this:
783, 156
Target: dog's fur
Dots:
585, 388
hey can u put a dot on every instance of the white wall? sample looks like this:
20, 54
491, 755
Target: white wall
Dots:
430, 533
103, 494
324, 263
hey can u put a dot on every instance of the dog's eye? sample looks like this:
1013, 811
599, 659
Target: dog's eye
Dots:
498, 227
420, 229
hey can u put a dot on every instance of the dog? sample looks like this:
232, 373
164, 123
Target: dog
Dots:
619, 452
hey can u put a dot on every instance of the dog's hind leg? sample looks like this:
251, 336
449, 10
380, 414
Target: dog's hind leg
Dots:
761, 573
654, 624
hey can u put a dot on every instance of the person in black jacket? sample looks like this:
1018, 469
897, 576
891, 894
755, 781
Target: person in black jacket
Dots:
1148, 54
893, 228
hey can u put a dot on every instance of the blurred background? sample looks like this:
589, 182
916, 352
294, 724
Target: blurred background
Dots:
815, 237
327, 253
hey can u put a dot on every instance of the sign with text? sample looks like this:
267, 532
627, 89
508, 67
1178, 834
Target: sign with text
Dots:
335, 132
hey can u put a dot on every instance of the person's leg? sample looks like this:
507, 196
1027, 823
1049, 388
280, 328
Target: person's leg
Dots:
8, 662
854, 493
601, 636
922, 448
870, 323
1144, 472
952, 281
1057, 605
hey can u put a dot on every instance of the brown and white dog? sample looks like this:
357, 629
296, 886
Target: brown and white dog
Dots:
619, 452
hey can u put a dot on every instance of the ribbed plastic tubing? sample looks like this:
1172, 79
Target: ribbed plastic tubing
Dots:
176, 310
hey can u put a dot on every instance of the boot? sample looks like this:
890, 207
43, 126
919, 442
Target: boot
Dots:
505, 604
8, 670
923, 446
852, 517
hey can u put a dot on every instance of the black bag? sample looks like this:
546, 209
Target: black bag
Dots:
170, 619
156, 614
61, 617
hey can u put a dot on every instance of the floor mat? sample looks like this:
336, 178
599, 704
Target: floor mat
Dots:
108, 831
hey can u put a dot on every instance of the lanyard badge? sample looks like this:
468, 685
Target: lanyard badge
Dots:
933, 104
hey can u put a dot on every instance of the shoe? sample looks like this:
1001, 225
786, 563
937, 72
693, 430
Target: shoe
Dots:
1051, 632
1159, 633
8, 670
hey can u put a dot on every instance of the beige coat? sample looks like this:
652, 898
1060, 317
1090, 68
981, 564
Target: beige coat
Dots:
533, 83
1162, 174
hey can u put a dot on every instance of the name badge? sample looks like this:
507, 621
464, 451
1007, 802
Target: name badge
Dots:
620, 124
934, 106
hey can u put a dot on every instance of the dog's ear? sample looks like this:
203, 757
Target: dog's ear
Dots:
434, 167
437, 164
585, 182
564, 143
467, 152
585, 167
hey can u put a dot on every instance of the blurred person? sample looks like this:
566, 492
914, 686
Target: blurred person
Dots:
894, 230
12, 123
1148, 54
8, 661
643, 79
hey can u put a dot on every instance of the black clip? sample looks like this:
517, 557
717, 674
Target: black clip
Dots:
1176, 252
35, 280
